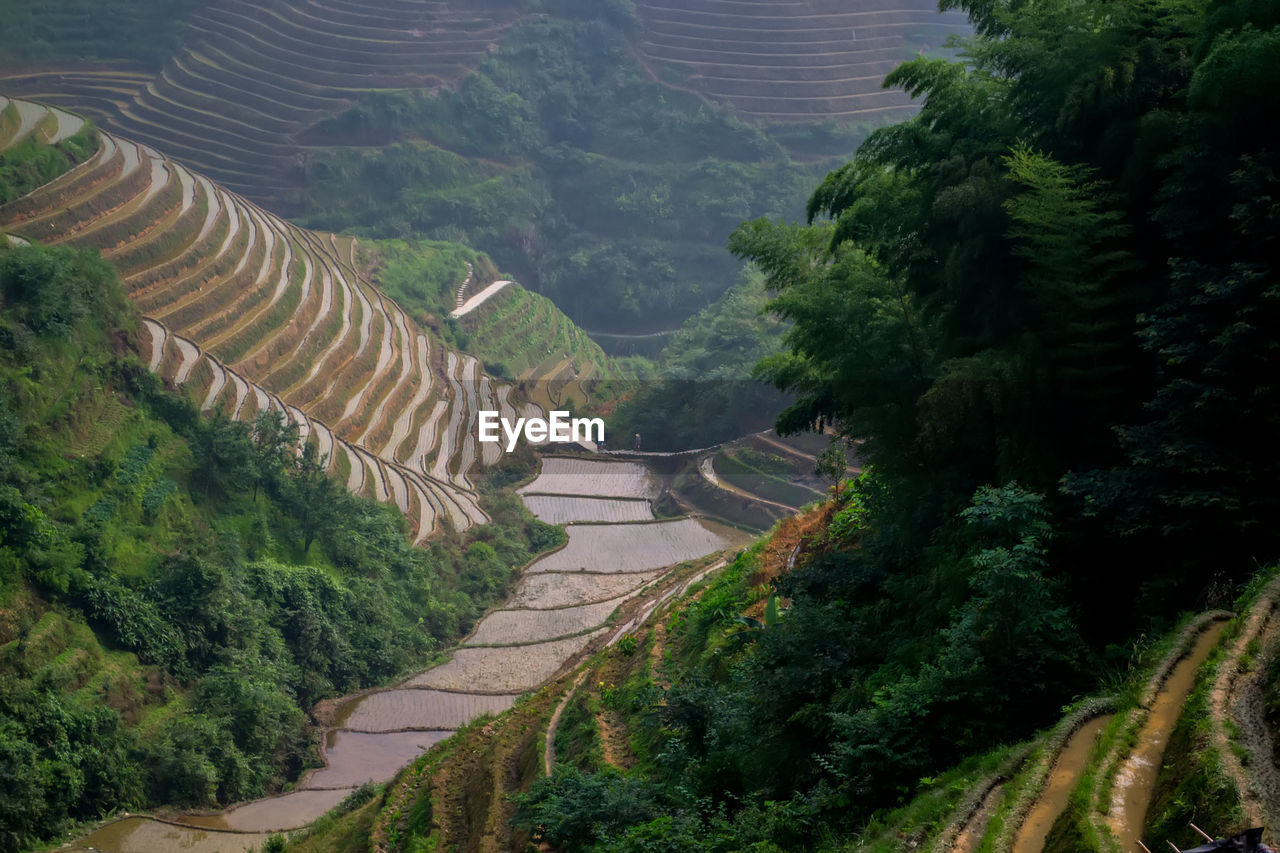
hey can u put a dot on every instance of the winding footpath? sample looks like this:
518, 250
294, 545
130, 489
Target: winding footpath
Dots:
616, 551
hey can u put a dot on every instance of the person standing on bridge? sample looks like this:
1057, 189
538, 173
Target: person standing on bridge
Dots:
637, 441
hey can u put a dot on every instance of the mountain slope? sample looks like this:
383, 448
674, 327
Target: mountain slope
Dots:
212, 105
252, 313
793, 60
176, 590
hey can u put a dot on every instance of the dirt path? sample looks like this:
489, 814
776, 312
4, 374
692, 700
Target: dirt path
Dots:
613, 740
657, 653
549, 750
625, 337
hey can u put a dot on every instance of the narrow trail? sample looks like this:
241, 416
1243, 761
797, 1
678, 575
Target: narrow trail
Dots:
461, 296
625, 337
553, 726
480, 298
613, 741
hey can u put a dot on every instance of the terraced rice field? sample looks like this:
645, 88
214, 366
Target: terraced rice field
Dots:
612, 548
551, 590
250, 313
554, 617
554, 509
142, 835
593, 478
254, 77
295, 809
25, 119
358, 757
518, 627
503, 670
398, 710
793, 60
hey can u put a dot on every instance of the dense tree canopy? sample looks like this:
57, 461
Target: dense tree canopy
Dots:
1046, 311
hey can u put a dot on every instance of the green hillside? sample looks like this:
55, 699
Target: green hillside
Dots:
175, 591
564, 160
1020, 592
141, 31
518, 335
1044, 316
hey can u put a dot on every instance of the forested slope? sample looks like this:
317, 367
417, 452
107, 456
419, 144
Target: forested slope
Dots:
175, 590
1047, 309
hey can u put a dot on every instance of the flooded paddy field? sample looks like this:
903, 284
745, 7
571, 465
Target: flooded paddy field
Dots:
636, 547
556, 509
593, 478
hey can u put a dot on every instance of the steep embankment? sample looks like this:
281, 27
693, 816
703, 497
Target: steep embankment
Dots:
1241, 731
559, 611
251, 313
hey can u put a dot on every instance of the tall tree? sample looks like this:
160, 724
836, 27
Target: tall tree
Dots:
275, 444
313, 494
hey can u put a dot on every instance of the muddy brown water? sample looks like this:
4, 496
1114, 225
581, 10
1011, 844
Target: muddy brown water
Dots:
1135, 782
141, 835
1066, 773
377, 733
